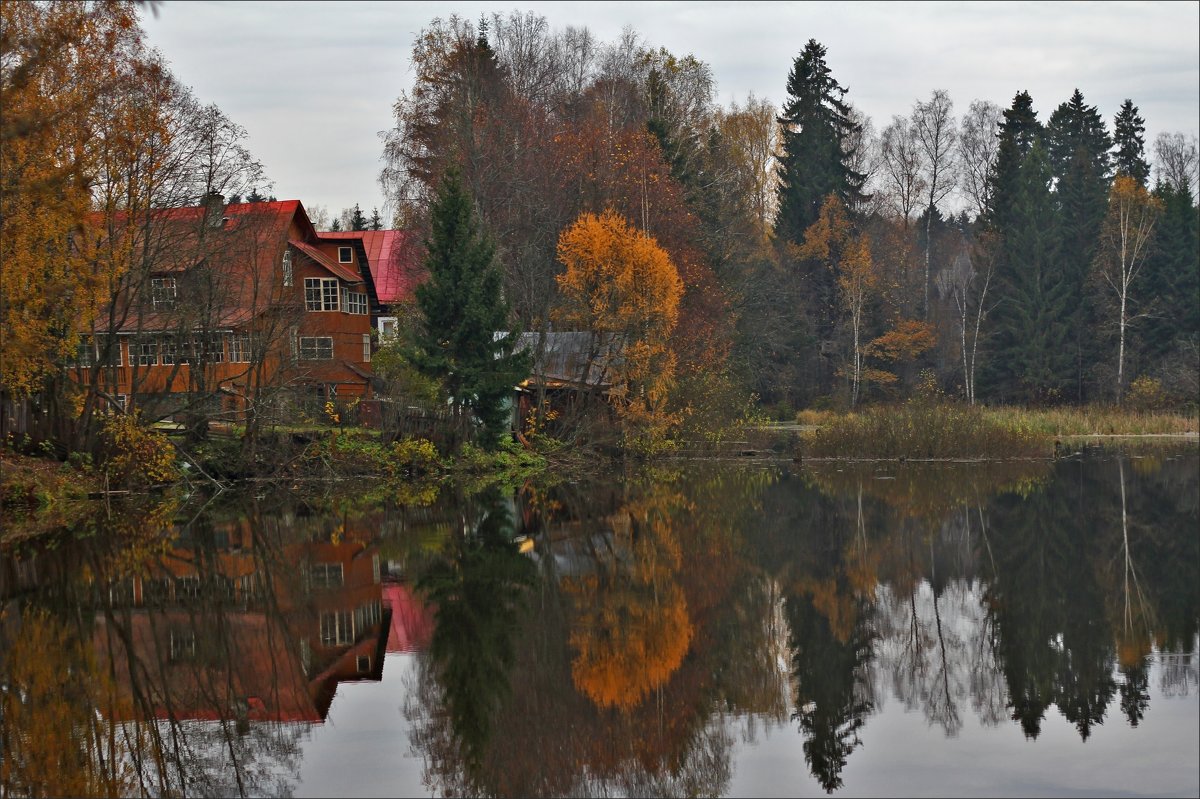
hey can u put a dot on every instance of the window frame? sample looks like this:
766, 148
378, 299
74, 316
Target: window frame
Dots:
348, 252
318, 291
164, 291
312, 351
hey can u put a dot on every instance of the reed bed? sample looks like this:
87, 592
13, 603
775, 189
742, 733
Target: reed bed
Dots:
923, 431
945, 430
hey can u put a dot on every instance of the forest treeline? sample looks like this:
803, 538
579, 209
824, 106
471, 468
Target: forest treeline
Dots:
793, 256
984, 253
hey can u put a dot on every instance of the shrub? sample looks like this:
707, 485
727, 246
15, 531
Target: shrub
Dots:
135, 455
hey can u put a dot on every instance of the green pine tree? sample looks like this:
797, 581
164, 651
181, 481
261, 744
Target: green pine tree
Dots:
376, 222
1129, 139
1077, 144
815, 162
460, 342
255, 197
358, 221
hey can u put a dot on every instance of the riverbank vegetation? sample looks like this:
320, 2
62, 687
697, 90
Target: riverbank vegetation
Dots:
708, 264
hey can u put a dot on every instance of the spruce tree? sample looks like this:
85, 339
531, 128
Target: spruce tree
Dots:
461, 341
815, 162
255, 197
376, 222
1018, 133
1029, 359
1077, 144
1173, 275
1129, 131
358, 221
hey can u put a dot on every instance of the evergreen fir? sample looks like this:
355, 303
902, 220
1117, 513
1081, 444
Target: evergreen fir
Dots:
336, 225
1018, 133
815, 162
376, 222
358, 221
1077, 144
1173, 275
460, 342
255, 197
1030, 360
1129, 139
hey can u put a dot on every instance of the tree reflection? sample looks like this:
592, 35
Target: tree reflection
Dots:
479, 591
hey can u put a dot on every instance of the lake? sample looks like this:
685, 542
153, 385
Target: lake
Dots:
1019, 628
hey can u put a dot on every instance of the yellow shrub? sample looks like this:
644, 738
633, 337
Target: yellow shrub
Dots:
136, 455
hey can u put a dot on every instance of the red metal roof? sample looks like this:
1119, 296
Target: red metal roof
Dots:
348, 275
393, 258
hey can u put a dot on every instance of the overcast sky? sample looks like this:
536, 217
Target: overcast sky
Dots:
314, 82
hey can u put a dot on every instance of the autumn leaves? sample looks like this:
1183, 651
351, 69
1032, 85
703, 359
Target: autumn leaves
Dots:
622, 287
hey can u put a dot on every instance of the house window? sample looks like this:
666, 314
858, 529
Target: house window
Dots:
337, 628
316, 348
183, 644
354, 302
239, 348
168, 350
326, 575
320, 294
108, 351
366, 347
162, 293
147, 353
122, 402
85, 354
287, 268
389, 329
345, 255
364, 664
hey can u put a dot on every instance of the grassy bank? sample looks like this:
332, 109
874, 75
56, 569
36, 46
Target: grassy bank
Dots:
950, 430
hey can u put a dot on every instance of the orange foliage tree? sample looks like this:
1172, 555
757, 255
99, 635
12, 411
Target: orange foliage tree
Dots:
621, 287
62, 65
832, 241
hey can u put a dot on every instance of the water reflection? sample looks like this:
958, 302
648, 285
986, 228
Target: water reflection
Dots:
639, 636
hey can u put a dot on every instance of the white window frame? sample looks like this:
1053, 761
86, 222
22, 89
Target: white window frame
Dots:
389, 328
288, 274
163, 292
345, 255
321, 294
327, 575
240, 348
147, 353
366, 347
354, 302
337, 628
310, 348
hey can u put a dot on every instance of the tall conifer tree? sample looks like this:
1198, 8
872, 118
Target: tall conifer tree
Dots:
1030, 360
816, 161
1077, 144
1129, 138
461, 342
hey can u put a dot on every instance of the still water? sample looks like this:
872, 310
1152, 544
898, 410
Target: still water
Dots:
857, 629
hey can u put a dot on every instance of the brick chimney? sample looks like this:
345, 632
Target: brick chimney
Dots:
214, 210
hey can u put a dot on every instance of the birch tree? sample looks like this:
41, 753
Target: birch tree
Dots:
933, 126
978, 144
1124, 244
900, 168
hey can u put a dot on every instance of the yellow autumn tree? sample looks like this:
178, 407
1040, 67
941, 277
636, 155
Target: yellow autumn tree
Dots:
831, 240
61, 65
621, 286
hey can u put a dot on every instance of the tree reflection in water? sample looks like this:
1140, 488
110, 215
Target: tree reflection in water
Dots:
656, 620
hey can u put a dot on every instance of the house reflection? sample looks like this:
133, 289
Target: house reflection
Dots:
229, 624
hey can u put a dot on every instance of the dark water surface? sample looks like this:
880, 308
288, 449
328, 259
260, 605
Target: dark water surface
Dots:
859, 629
